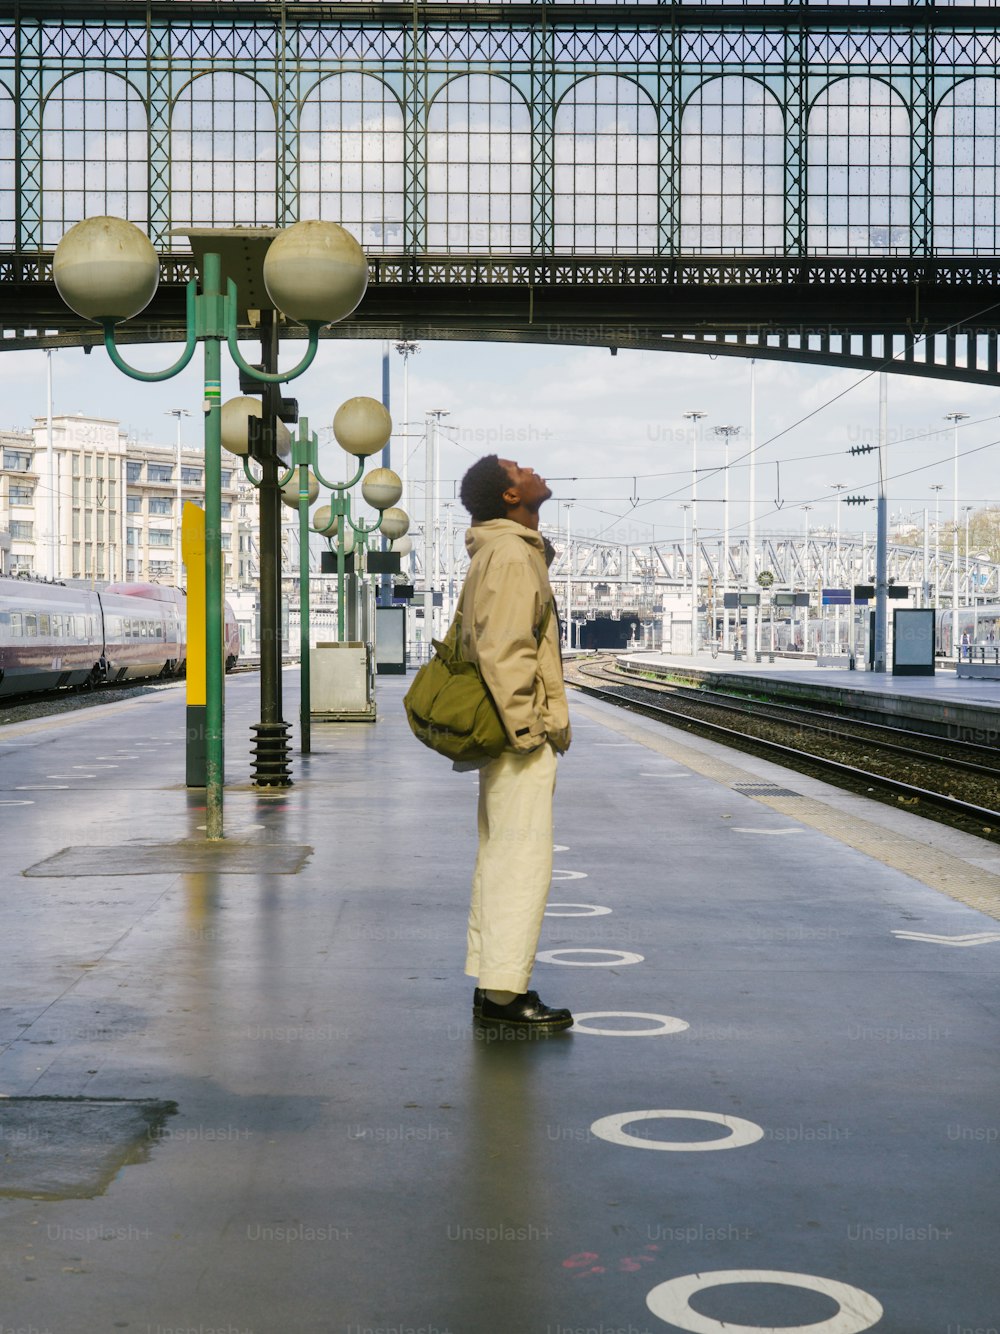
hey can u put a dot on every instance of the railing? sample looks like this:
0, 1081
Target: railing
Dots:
980, 653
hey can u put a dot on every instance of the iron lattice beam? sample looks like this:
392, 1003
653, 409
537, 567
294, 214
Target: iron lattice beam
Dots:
920, 312
938, 318
797, 13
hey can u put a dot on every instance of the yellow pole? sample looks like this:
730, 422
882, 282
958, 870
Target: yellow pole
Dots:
193, 549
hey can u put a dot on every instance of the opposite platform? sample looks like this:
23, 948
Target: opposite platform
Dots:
783, 1063
970, 708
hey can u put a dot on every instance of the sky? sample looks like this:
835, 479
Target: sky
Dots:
608, 432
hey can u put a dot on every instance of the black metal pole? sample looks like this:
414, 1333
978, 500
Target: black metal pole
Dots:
272, 757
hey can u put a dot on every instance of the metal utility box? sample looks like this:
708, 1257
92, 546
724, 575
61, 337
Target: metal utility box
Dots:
342, 682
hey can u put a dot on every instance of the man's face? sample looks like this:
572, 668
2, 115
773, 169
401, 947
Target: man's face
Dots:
531, 489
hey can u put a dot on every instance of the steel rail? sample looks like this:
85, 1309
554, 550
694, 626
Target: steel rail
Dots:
722, 701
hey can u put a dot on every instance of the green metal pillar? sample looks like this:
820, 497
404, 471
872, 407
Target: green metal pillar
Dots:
214, 710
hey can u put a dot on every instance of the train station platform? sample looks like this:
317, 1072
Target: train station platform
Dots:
967, 706
242, 1090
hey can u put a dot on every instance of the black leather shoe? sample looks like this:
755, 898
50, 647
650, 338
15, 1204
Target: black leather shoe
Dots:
525, 1013
477, 1003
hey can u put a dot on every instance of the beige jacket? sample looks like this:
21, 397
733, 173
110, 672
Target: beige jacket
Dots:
503, 598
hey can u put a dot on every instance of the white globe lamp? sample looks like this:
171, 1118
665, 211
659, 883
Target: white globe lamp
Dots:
381, 488
106, 269
362, 426
395, 523
315, 272
324, 521
290, 491
236, 414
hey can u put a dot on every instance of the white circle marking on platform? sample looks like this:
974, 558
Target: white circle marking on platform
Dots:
741, 1132
569, 875
619, 957
589, 910
17, 803
39, 787
667, 1022
740, 829
670, 1301
560, 847
678, 775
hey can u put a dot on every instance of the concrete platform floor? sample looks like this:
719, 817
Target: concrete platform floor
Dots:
777, 1110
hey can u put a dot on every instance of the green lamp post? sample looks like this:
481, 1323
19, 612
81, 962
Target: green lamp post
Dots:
361, 426
106, 270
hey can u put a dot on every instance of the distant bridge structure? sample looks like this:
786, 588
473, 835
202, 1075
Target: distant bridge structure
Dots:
801, 181
610, 578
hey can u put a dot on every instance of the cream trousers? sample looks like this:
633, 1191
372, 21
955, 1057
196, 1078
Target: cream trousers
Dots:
513, 872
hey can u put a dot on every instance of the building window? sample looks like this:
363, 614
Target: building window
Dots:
227, 477
161, 537
25, 563
160, 505
159, 472
227, 509
21, 495
16, 460
131, 537
191, 476
21, 530
227, 542
133, 472
133, 504
160, 568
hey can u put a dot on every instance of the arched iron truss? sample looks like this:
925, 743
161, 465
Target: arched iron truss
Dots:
867, 261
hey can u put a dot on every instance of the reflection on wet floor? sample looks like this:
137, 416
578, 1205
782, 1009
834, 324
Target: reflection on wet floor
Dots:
72, 1148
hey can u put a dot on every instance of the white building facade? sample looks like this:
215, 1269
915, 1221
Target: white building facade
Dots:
80, 499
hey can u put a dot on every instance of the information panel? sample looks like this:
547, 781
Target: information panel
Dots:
913, 641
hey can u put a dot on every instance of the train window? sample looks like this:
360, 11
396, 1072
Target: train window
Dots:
44, 625
30, 624
16, 624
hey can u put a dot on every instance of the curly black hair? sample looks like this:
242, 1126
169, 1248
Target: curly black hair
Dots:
482, 489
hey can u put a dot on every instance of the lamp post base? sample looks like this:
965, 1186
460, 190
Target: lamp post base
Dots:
271, 757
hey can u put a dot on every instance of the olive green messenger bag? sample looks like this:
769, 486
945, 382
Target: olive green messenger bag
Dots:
449, 707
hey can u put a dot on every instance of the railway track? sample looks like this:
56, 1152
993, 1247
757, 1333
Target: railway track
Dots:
42, 704
955, 782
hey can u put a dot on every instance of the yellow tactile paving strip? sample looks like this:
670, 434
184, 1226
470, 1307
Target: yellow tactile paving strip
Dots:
969, 884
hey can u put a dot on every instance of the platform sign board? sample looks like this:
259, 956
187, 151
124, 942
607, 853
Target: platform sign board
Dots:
390, 641
730, 601
836, 597
913, 641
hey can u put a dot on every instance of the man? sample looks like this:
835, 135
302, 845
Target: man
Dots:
509, 627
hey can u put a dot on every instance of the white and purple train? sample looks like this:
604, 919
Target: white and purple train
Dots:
52, 635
